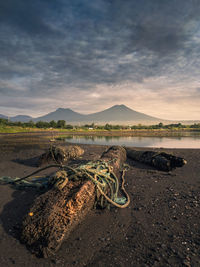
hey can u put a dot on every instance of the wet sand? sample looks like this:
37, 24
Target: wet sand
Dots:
161, 227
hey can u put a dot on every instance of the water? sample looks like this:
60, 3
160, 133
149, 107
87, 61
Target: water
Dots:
139, 141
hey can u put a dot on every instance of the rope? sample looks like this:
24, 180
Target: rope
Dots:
100, 173
35, 172
52, 154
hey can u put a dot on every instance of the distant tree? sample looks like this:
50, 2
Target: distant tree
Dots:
100, 127
69, 126
3, 121
61, 124
108, 126
116, 127
30, 124
53, 124
195, 125
42, 124
18, 123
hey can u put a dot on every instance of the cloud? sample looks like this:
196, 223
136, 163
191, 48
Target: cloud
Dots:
50, 48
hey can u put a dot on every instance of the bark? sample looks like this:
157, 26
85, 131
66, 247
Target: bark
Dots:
60, 154
56, 213
161, 161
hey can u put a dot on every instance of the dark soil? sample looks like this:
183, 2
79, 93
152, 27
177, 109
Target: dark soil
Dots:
161, 227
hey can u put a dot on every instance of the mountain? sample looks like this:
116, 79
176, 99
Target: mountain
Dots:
61, 114
115, 114
118, 114
3, 116
22, 118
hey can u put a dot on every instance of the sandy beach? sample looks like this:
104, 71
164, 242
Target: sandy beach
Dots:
161, 227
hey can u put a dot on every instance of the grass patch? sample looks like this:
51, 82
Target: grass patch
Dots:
14, 129
118, 132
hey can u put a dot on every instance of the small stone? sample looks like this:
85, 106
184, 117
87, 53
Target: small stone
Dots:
158, 258
186, 263
56, 261
12, 260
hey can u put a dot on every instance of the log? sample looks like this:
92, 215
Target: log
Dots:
55, 214
60, 154
161, 161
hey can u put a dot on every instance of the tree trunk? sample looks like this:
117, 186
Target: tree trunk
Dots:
161, 161
56, 213
60, 154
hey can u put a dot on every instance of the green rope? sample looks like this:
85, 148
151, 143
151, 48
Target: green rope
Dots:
105, 176
100, 173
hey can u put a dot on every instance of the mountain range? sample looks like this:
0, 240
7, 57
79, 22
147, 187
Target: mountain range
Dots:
118, 114
115, 114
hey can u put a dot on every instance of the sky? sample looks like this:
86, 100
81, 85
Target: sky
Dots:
90, 55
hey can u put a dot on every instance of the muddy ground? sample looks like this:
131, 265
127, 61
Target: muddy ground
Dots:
161, 227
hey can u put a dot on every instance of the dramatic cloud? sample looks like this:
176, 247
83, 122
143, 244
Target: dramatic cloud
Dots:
88, 55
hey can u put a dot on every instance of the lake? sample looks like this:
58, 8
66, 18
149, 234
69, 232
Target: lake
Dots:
192, 141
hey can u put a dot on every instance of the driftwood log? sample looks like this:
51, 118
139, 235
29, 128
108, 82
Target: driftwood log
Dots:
60, 154
161, 161
56, 213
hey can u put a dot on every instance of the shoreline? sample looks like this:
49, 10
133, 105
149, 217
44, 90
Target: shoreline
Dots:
117, 133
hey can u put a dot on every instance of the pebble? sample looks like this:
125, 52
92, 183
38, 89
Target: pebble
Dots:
75, 262
186, 263
12, 260
56, 261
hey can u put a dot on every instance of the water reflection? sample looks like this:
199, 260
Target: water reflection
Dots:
138, 141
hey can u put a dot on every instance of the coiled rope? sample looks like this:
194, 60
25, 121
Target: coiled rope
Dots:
100, 173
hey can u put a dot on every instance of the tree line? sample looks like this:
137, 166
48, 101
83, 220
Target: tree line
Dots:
61, 124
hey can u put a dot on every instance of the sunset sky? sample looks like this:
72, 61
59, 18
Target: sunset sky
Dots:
88, 55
